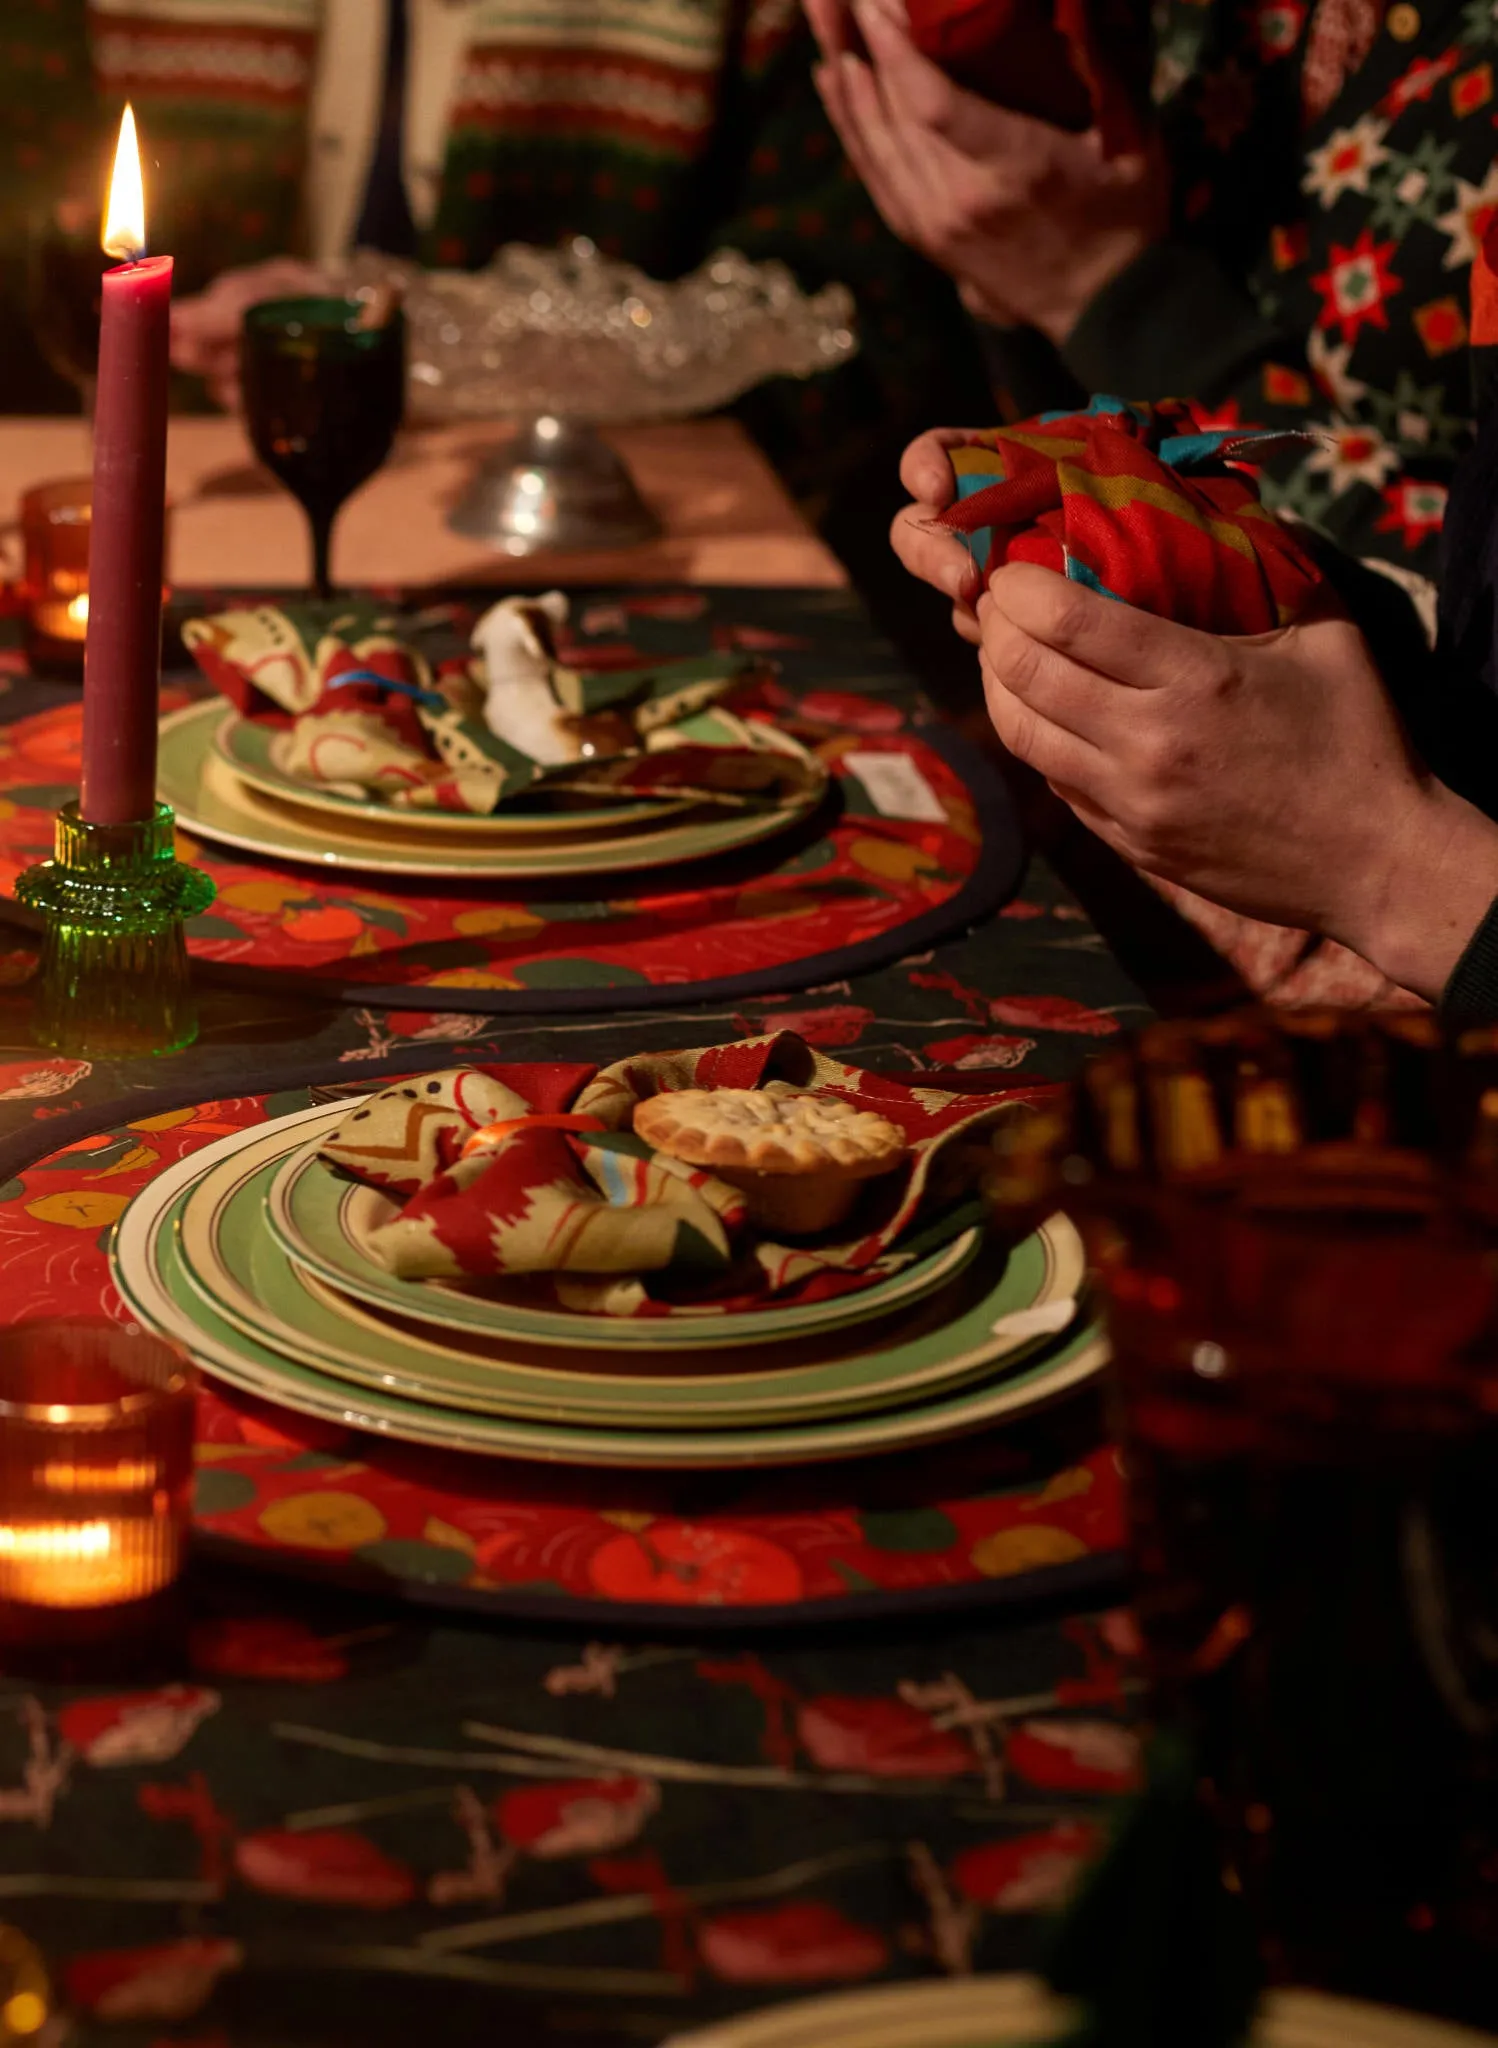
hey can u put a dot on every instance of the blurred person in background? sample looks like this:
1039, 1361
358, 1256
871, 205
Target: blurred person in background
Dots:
282, 133
1287, 236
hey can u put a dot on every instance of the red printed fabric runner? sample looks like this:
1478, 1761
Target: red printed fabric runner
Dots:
1014, 1504
866, 876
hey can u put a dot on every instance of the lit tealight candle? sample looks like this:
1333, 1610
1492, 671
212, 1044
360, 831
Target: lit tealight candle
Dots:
55, 538
25, 1993
96, 1426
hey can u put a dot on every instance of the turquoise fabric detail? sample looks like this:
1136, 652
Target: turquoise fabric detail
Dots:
1078, 572
979, 542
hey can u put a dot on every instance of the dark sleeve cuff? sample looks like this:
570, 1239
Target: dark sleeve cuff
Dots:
1470, 997
1026, 373
1173, 325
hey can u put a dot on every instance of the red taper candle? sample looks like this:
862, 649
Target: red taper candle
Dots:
122, 655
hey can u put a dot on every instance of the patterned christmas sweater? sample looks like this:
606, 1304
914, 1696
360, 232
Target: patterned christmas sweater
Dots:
1319, 265
660, 128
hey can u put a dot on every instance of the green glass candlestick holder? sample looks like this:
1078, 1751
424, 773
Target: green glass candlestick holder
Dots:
114, 979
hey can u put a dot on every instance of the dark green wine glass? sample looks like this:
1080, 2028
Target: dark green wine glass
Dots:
324, 387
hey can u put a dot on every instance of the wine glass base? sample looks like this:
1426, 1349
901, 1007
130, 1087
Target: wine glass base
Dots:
558, 487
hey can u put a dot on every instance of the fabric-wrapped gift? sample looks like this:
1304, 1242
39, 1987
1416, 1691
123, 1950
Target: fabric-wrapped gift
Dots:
511, 1171
1144, 503
1075, 63
1141, 503
373, 708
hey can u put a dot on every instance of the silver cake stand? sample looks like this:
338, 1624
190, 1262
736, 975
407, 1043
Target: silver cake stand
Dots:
565, 340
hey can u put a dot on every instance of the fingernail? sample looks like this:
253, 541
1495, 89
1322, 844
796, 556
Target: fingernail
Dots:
953, 573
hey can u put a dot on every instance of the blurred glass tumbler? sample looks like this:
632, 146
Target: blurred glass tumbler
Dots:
96, 1437
1294, 1223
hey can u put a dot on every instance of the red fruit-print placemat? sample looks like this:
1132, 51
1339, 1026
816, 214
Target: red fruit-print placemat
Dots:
847, 892
1031, 1510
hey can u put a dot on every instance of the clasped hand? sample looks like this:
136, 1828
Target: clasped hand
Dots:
1029, 220
1268, 773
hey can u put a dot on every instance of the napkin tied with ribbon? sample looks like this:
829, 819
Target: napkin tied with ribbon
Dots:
1142, 503
373, 711
583, 1200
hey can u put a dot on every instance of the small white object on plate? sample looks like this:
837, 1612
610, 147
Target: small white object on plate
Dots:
513, 640
1044, 1319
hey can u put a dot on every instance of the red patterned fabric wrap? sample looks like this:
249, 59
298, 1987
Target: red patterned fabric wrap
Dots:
604, 1210
1145, 503
1074, 63
1484, 289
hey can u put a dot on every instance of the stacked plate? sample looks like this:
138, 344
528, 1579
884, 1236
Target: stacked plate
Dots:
983, 2012
221, 775
253, 1254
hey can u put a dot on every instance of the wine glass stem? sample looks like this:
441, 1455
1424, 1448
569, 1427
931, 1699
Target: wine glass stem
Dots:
321, 524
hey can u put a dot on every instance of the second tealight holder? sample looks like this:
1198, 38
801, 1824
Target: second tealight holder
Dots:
114, 980
55, 525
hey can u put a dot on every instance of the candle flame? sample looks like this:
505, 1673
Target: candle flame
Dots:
59, 1540
24, 2012
125, 216
128, 1475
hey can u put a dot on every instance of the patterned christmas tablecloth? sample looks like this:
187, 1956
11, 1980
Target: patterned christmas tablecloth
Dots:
336, 1819
1029, 1511
914, 839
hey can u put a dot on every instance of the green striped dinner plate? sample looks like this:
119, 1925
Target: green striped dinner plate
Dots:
242, 1273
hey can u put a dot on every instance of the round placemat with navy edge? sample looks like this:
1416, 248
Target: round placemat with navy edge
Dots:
1020, 1513
917, 840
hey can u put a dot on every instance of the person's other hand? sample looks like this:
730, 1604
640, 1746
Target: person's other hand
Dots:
1032, 222
831, 24
1268, 773
205, 329
938, 556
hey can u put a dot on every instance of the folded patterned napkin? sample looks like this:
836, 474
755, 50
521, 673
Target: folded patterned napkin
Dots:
377, 709
1075, 63
570, 1191
1142, 503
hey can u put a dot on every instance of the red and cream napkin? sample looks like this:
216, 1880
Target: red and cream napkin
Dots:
569, 1191
364, 705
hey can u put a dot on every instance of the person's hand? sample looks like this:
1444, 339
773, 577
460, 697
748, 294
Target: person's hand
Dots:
205, 329
1031, 222
1268, 773
934, 553
831, 24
